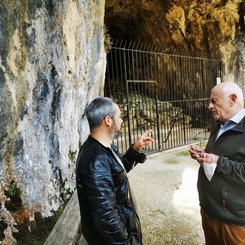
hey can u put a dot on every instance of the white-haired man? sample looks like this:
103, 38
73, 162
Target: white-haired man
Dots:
221, 178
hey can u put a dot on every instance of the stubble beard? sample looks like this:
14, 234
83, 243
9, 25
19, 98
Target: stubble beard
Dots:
115, 133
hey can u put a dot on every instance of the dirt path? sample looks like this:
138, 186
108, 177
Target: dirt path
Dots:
166, 196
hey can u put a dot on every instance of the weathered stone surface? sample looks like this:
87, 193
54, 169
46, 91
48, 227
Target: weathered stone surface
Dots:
215, 27
52, 63
144, 112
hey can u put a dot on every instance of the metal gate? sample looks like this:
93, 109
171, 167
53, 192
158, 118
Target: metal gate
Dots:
167, 92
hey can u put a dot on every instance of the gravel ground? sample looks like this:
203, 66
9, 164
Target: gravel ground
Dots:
166, 196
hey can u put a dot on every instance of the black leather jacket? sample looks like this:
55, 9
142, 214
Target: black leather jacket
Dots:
108, 214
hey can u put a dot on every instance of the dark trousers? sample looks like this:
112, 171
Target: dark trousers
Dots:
217, 232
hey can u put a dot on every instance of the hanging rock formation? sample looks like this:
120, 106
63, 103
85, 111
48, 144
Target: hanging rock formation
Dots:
52, 63
214, 27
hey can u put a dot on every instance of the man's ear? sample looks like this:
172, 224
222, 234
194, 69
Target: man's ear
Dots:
108, 120
232, 99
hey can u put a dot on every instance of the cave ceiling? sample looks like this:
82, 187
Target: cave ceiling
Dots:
189, 25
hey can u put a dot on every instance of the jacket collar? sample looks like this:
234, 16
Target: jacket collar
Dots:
240, 127
108, 149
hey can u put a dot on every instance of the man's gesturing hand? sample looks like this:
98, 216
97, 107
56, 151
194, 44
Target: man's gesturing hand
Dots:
143, 141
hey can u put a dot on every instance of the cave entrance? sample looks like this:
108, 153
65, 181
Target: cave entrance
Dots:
167, 92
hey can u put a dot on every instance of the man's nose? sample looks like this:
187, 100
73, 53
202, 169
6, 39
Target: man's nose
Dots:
210, 105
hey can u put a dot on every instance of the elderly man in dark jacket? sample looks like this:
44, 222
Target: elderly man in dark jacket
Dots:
108, 214
221, 179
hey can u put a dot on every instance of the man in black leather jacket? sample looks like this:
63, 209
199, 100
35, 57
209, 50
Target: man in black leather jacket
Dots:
108, 214
221, 178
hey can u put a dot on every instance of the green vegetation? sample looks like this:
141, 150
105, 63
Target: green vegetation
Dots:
36, 232
172, 160
29, 232
108, 42
183, 153
72, 155
14, 201
161, 211
12, 190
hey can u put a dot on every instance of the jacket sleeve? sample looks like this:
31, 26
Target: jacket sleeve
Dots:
232, 170
131, 158
101, 198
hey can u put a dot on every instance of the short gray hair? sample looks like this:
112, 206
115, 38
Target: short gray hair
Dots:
98, 109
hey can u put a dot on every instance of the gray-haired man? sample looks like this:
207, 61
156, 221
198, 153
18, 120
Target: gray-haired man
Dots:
108, 214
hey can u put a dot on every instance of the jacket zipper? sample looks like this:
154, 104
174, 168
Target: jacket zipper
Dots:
224, 198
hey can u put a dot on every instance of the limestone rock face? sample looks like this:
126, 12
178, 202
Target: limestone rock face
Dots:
52, 64
214, 27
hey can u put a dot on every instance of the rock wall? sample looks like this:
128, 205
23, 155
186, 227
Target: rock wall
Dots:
52, 63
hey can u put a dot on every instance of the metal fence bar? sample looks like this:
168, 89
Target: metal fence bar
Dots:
163, 91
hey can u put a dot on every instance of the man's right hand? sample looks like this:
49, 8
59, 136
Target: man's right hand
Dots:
194, 151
